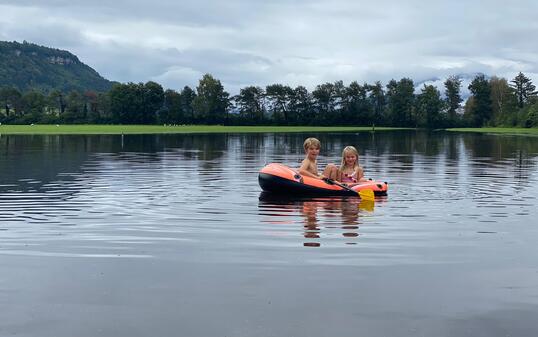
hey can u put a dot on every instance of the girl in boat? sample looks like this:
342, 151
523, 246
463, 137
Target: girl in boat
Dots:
350, 172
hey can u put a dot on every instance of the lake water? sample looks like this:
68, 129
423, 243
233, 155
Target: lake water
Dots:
170, 235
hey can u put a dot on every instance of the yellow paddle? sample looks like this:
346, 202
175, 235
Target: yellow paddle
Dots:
366, 194
367, 205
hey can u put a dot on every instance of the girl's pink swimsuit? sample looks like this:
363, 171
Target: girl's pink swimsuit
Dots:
346, 178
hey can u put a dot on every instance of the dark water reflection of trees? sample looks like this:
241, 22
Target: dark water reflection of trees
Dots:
44, 157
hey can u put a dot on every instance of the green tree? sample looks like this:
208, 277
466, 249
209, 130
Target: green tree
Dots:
57, 102
401, 100
11, 100
453, 96
468, 109
301, 106
250, 102
104, 111
524, 89
327, 102
74, 111
153, 101
481, 109
429, 107
33, 105
125, 102
358, 109
171, 112
91, 107
278, 100
187, 98
211, 102
503, 102
378, 101
532, 116
136, 103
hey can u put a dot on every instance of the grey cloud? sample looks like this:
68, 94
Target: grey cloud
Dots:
48, 34
244, 42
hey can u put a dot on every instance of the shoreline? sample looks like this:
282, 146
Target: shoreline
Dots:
96, 129
504, 131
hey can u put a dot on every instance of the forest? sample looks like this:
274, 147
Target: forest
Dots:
493, 101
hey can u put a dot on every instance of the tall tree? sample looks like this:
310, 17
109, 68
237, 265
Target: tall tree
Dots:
453, 96
91, 106
126, 103
327, 102
301, 106
187, 98
278, 99
429, 107
211, 102
104, 111
357, 108
11, 99
481, 109
57, 102
153, 97
251, 104
401, 100
171, 111
378, 101
74, 111
120, 102
504, 102
34, 104
524, 88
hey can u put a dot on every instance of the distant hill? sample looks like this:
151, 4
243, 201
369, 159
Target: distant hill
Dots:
27, 66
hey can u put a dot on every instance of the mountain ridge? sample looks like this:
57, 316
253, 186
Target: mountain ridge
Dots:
28, 66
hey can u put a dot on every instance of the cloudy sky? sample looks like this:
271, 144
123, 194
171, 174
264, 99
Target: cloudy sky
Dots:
295, 42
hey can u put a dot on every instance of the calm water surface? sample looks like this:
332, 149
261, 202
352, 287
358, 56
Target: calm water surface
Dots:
170, 235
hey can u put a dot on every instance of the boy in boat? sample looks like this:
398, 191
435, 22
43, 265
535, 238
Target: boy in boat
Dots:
309, 165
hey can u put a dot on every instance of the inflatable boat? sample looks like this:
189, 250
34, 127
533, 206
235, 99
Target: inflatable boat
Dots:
279, 178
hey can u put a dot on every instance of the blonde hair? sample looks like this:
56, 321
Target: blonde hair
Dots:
353, 150
311, 142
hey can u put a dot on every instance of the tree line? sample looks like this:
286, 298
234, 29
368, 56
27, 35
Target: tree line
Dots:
493, 101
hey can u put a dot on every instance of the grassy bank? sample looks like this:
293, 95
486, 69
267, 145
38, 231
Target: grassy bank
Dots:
511, 131
156, 129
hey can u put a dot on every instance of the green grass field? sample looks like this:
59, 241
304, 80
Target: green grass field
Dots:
156, 129
511, 131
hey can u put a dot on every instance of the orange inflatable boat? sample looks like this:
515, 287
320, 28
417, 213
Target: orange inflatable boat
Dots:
280, 178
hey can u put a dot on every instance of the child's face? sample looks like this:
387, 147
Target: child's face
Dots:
312, 152
350, 159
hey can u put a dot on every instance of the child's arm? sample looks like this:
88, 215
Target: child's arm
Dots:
360, 174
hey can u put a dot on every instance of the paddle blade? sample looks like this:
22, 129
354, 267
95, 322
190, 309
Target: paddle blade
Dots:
367, 195
366, 205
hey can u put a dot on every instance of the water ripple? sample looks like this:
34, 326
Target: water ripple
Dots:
203, 198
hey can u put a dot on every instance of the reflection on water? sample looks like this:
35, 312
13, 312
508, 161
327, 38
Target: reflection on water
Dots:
118, 191
322, 216
168, 226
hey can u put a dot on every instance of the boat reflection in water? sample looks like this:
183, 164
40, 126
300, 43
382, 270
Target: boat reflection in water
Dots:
324, 219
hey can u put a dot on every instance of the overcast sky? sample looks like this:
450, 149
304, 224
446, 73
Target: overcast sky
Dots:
248, 42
